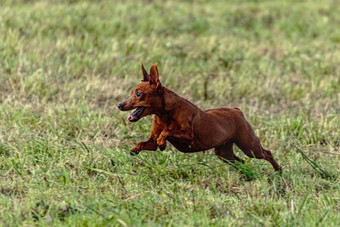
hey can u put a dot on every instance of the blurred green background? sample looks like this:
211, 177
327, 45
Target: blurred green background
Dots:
64, 146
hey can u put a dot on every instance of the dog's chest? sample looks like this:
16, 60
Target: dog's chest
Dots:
173, 125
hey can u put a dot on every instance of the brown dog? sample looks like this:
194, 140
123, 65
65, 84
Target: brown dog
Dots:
189, 128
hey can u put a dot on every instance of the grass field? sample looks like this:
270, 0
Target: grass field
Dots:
64, 146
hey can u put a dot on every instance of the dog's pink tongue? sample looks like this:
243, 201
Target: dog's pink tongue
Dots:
131, 117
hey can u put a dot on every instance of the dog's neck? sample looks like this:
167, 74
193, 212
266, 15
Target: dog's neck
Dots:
171, 102
170, 99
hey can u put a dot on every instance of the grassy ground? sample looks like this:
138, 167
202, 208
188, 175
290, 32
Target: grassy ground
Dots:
64, 146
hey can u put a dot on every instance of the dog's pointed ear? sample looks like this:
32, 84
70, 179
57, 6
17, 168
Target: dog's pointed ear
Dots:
146, 76
154, 76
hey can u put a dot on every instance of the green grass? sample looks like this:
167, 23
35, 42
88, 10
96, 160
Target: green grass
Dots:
64, 146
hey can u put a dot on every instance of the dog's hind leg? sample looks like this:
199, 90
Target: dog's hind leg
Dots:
225, 152
253, 149
269, 158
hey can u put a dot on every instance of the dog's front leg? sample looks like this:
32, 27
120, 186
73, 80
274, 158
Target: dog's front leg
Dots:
151, 143
179, 134
182, 130
161, 140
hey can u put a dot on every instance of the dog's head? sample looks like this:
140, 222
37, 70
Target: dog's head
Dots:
146, 98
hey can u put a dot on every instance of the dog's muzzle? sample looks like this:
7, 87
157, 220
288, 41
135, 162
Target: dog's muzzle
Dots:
120, 106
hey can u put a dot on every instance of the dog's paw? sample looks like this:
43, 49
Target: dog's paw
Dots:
162, 147
134, 152
137, 149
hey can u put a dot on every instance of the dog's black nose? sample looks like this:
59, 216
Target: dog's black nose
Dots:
120, 106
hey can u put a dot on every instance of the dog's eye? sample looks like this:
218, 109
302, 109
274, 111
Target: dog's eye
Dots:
138, 94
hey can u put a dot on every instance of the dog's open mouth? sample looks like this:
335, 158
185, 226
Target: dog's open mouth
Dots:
136, 114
